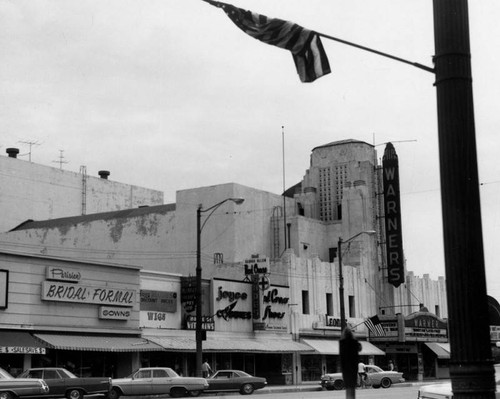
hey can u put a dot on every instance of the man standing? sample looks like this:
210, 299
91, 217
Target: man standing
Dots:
362, 374
206, 369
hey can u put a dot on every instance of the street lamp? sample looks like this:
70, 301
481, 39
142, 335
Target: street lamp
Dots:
199, 228
341, 277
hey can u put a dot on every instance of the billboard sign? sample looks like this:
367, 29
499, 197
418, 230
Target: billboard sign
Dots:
392, 206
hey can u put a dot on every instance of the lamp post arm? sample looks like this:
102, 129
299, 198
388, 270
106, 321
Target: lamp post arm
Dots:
213, 208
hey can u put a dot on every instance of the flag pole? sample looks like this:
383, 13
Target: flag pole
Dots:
392, 57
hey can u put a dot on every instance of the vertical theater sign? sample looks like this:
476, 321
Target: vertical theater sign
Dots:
392, 206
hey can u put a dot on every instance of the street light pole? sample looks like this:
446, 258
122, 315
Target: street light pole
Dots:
199, 299
348, 345
341, 289
343, 321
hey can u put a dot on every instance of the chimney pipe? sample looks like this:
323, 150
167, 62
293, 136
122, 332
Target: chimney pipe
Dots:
12, 152
104, 174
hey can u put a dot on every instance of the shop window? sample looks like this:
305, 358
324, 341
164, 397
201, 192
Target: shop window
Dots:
329, 304
352, 306
332, 254
300, 209
305, 302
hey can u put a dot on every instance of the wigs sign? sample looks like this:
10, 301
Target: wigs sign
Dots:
392, 205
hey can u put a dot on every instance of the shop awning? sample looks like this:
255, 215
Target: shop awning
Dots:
441, 349
331, 347
98, 343
20, 342
255, 345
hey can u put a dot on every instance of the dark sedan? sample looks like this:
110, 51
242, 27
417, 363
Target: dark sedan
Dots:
234, 381
11, 387
63, 383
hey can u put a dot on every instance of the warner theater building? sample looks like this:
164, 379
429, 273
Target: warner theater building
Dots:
115, 289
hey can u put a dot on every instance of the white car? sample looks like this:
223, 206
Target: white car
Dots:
375, 376
443, 391
156, 381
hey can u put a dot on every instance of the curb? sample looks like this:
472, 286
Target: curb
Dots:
313, 388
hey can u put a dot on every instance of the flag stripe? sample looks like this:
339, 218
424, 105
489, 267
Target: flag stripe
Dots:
374, 325
305, 45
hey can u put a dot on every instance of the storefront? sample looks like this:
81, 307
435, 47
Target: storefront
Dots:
246, 326
75, 314
326, 357
18, 349
417, 344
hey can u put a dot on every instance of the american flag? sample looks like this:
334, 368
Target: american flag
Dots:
305, 45
375, 327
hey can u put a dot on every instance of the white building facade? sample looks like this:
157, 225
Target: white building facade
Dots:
270, 268
36, 192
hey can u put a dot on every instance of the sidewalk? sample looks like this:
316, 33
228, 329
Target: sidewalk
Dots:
316, 386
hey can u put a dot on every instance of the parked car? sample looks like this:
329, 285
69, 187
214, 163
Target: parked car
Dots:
443, 390
63, 383
234, 381
11, 387
157, 381
376, 377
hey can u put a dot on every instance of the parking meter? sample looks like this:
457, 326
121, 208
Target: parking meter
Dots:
349, 358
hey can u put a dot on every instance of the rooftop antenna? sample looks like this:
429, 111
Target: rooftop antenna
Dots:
31, 144
61, 159
284, 186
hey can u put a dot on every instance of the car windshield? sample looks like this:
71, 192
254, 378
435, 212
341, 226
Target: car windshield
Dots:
4, 375
374, 369
67, 374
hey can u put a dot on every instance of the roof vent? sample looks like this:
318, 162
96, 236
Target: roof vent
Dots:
12, 152
104, 174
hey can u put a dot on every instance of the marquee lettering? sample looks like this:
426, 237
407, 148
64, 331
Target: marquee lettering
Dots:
69, 292
268, 313
273, 297
229, 313
230, 295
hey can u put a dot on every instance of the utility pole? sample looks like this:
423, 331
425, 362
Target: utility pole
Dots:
471, 363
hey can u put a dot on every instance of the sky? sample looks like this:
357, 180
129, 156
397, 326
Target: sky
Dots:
171, 95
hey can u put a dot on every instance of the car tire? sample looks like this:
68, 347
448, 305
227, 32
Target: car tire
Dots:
194, 394
385, 383
338, 385
74, 393
114, 393
178, 392
246, 389
7, 395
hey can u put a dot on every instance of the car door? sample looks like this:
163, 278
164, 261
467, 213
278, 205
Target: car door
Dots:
221, 381
56, 383
373, 376
141, 383
162, 382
